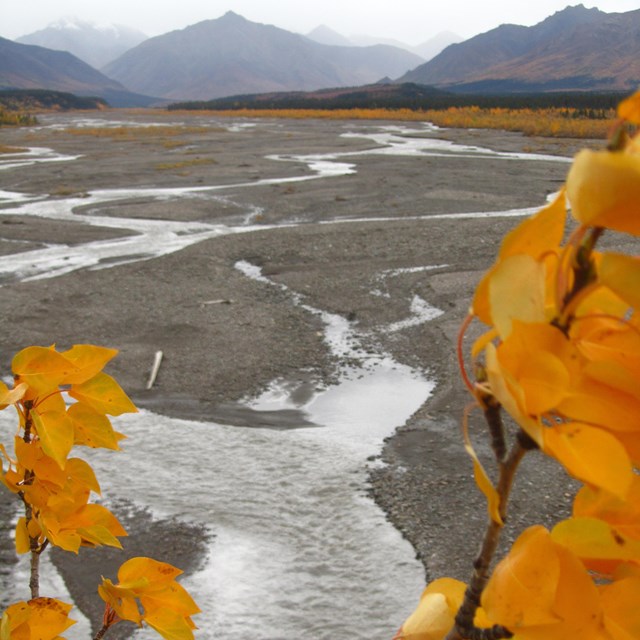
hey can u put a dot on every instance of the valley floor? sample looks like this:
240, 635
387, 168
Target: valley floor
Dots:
361, 244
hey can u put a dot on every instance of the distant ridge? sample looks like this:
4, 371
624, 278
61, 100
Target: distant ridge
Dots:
231, 55
24, 66
574, 49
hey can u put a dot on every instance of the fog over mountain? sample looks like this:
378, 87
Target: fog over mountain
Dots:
231, 55
95, 45
426, 50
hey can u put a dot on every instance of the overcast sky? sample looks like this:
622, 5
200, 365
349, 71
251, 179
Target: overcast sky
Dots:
410, 21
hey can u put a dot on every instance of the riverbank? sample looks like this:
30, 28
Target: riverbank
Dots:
361, 244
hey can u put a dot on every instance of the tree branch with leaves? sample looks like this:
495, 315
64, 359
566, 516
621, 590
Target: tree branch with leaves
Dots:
561, 357
64, 400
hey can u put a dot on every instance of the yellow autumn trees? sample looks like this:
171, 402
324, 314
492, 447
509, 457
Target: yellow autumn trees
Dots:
561, 357
64, 400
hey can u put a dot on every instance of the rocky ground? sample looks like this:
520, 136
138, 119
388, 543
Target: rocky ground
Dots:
225, 336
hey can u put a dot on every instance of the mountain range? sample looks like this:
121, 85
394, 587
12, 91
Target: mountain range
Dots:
573, 50
232, 55
93, 44
24, 66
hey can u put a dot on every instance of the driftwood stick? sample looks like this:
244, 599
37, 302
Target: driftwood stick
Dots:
154, 369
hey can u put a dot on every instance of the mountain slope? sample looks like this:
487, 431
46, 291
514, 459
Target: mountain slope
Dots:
231, 56
94, 45
24, 66
576, 48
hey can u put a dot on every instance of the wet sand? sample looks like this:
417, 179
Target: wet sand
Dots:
225, 337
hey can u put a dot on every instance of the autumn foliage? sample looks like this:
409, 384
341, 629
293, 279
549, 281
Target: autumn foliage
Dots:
64, 400
561, 357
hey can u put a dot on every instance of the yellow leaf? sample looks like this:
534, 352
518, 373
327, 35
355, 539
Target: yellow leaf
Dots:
27, 453
154, 571
173, 596
11, 396
91, 428
122, 601
37, 619
170, 625
517, 291
621, 611
482, 479
506, 390
535, 237
539, 359
540, 233
81, 472
56, 434
434, 615
592, 401
629, 109
103, 394
65, 539
89, 525
621, 274
594, 539
49, 618
23, 544
98, 515
590, 454
42, 368
623, 515
14, 616
522, 589
603, 188
167, 606
541, 591
88, 360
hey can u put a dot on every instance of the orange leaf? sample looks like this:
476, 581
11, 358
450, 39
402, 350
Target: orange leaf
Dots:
540, 233
542, 591
505, 389
434, 616
624, 515
103, 394
594, 539
603, 188
154, 571
23, 544
91, 428
621, 611
535, 237
40, 618
88, 359
517, 291
590, 454
621, 274
522, 589
56, 434
482, 479
42, 368
11, 396
170, 625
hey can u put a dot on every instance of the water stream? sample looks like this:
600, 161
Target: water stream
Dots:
299, 550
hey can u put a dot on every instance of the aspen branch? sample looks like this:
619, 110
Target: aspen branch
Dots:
464, 628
